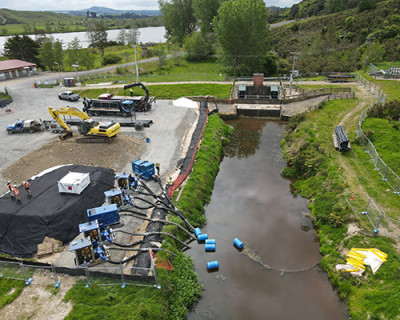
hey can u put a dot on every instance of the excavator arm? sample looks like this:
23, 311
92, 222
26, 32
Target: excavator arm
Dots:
146, 102
86, 127
128, 86
69, 111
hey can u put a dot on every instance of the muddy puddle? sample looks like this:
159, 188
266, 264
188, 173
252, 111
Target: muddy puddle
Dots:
276, 275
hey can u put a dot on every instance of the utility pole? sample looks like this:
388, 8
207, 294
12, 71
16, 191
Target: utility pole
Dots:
368, 42
137, 68
291, 74
59, 73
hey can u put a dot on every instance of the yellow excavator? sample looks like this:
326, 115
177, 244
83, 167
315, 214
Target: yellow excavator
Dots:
92, 131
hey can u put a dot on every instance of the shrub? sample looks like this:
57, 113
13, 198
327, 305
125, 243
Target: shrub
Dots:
120, 70
111, 59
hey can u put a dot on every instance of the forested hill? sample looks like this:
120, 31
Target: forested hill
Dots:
310, 8
338, 41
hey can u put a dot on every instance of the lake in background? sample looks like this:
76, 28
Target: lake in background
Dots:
150, 34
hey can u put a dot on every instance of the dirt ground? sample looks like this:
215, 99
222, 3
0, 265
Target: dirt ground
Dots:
37, 302
114, 155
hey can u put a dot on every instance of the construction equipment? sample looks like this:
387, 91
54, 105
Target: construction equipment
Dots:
25, 126
92, 130
140, 103
98, 107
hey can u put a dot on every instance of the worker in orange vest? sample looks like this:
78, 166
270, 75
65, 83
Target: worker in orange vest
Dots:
27, 186
16, 193
10, 188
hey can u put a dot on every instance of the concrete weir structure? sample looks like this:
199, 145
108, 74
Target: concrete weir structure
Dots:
273, 98
231, 111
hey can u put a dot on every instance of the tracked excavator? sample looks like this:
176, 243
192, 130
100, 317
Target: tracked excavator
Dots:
92, 131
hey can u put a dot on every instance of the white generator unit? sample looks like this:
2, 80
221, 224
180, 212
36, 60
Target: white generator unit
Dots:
74, 182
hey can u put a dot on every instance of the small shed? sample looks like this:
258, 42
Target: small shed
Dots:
10, 69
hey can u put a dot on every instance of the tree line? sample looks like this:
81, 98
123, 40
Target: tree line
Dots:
236, 32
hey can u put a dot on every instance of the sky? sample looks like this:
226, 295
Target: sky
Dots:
43, 5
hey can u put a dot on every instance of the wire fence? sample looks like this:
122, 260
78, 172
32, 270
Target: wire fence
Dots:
119, 275
392, 72
387, 174
371, 210
376, 217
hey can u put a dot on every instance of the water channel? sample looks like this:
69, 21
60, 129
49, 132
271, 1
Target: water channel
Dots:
253, 202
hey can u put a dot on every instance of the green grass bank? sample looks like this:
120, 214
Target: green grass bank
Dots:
314, 162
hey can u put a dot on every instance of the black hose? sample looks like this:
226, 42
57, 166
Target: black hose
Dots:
144, 249
128, 244
144, 208
148, 189
154, 233
136, 212
132, 213
122, 261
180, 215
144, 200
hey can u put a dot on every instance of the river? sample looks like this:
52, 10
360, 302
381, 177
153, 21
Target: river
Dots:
253, 202
150, 34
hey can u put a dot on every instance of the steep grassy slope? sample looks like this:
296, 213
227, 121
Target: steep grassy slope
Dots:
336, 42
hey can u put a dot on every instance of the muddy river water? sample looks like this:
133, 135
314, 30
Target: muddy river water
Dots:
253, 202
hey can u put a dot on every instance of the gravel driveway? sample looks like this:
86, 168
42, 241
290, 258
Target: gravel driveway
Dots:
167, 135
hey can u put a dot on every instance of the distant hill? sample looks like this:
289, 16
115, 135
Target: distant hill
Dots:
14, 22
103, 11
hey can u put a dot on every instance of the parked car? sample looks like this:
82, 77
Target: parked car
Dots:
69, 95
106, 96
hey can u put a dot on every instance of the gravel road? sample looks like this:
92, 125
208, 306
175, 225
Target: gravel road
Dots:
167, 134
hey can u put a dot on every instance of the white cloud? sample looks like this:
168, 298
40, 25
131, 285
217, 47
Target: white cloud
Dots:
43, 5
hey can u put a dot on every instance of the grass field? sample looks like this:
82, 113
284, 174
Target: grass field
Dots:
390, 87
167, 91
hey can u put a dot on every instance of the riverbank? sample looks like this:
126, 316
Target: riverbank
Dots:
328, 179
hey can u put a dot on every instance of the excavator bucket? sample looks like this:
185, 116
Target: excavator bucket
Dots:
65, 135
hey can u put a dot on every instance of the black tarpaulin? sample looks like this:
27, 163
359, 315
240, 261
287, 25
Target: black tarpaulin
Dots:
25, 224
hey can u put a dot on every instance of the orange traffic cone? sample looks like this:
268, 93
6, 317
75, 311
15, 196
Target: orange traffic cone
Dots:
352, 196
339, 169
345, 182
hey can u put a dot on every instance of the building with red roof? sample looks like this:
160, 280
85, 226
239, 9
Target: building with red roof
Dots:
10, 69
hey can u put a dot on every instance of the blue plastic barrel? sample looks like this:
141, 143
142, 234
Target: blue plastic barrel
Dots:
209, 247
213, 265
147, 140
197, 231
202, 237
210, 241
238, 243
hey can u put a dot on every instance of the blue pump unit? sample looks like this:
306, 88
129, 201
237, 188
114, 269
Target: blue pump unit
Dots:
136, 166
105, 215
114, 196
91, 229
122, 180
143, 168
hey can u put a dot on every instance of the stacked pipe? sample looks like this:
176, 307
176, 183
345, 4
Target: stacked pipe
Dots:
342, 140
